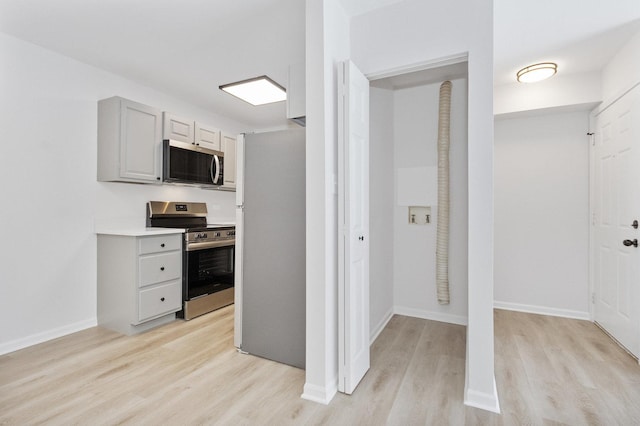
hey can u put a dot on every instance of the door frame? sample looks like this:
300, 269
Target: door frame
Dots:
591, 272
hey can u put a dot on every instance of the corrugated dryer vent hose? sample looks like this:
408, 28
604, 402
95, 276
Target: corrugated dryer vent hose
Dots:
442, 236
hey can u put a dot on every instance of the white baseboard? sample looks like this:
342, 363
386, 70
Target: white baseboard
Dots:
482, 400
430, 315
542, 310
44, 336
320, 394
381, 325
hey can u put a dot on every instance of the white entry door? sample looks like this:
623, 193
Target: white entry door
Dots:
353, 238
616, 203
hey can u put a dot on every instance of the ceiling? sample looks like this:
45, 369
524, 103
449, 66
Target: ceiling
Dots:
185, 48
579, 35
188, 48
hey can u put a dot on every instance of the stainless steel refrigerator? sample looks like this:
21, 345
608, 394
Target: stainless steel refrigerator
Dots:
270, 246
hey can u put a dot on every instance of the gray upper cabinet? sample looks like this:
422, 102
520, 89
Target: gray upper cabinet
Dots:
177, 128
207, 136
129, 141
229, 149
189, 131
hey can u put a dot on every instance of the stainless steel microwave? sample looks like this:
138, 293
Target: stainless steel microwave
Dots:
188, 163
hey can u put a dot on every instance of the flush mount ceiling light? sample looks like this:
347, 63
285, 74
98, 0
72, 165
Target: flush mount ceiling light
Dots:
256, 91
537, 72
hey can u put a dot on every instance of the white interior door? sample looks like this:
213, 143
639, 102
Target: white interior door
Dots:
353, 238
616, 203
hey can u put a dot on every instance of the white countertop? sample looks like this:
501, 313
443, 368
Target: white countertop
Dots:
136, 231
135, 227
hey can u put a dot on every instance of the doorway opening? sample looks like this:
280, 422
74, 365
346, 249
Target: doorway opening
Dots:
403, 176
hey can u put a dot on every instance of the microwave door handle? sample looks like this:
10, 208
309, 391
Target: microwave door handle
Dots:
215, 177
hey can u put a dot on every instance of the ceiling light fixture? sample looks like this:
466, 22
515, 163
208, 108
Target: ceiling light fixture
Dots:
256, 91
537, 72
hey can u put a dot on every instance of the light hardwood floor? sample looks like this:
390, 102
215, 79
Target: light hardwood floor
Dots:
548, 371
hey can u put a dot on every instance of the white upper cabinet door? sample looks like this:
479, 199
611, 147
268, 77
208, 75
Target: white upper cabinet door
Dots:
129, 141
229, 149
140, 142
207, 136
177, 128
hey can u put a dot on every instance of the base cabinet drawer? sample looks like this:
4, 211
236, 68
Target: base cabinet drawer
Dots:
160, 243
156, 268
159, 300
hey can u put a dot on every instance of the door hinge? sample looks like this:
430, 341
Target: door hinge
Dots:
593, 140
593, 298
593, 218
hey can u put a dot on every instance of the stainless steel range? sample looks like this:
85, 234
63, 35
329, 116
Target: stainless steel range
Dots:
208, 252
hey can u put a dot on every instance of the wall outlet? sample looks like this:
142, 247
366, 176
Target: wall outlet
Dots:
419, 215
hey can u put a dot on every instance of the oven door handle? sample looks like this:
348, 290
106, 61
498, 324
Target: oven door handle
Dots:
209, 244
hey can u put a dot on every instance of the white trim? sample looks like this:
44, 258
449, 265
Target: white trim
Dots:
381, 325
430, 315
45, 336
277, 128
320, 394
482, 400
419, 66
608, 102
592, 206
542, 310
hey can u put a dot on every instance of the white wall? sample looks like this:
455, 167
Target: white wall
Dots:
415, 145
558, 91
416, 32
327, 43
623, 71
48, 116
381, 202
542, 214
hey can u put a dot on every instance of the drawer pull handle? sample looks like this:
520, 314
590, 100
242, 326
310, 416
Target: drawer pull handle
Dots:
162, 245
162, 299
162, 268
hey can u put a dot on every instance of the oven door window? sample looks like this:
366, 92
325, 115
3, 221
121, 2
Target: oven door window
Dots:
208, 271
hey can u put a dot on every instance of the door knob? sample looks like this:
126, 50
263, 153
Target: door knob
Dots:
361, 238
633, 242
634, 224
